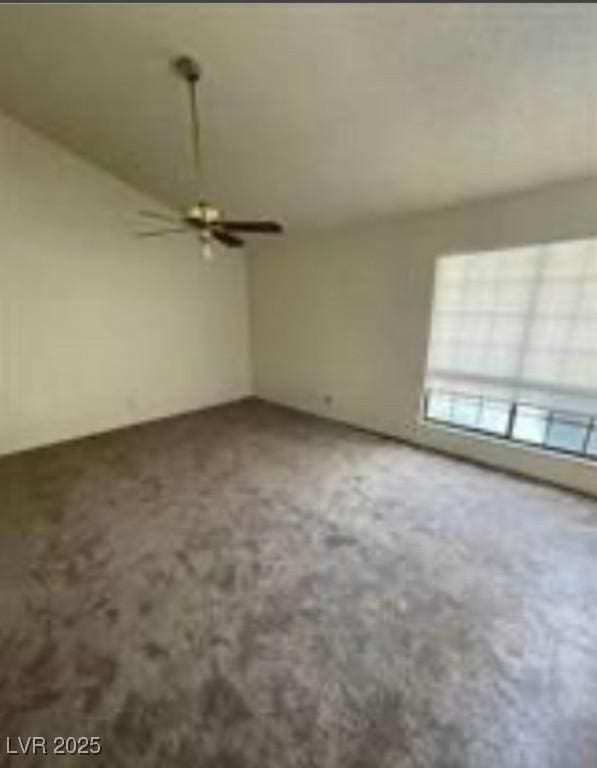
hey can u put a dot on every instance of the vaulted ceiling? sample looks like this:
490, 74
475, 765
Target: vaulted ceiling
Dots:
315, 113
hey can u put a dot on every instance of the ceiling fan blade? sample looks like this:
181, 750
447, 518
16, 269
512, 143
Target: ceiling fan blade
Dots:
161, 232
227, 238
263, 227
158, 215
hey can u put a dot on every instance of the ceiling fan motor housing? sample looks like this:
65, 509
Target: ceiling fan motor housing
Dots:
203, 213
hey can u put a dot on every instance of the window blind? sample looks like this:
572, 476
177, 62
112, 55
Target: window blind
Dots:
518, 324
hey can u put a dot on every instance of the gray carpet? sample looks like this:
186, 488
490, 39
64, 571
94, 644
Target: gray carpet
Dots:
253, 588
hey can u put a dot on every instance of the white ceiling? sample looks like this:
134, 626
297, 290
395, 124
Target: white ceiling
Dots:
315, 113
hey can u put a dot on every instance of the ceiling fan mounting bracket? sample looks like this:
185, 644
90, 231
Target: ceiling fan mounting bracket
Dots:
188, 68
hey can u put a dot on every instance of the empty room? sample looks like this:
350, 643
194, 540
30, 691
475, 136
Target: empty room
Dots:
298, 385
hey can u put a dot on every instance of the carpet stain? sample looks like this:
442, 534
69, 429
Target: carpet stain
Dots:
335, 540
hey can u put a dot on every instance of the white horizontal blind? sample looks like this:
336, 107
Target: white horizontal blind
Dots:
519, 324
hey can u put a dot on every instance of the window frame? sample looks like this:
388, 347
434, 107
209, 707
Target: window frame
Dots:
551, 415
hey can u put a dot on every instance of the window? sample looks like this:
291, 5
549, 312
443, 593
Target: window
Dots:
513, 345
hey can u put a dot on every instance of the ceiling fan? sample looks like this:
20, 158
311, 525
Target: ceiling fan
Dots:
202, 218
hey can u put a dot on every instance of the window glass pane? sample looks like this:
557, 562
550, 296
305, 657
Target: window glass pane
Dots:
465, 411
592, 447
494, 417
530, 425
439, 406
567, 435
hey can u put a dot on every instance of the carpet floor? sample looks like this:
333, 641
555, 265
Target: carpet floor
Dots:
248, 587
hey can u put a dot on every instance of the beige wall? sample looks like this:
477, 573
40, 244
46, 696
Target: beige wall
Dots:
99, 329
345, 314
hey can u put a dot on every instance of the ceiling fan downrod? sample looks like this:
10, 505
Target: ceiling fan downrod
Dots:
189, 69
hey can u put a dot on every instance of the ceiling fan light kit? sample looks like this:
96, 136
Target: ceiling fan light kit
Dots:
202, 218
